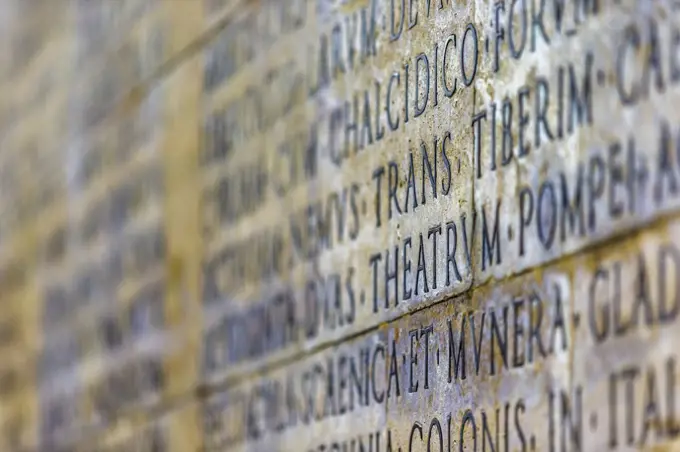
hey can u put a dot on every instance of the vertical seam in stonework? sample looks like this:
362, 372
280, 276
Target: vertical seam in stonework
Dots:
473, 204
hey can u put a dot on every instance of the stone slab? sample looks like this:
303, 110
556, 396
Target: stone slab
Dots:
226, 189
578, 355
292, 217
575, 136
321, 210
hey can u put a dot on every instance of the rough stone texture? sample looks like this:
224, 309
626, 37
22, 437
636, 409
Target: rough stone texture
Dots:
616, 155
541, 355
601, 163
343, 182
209, 206
175, 430
117, 318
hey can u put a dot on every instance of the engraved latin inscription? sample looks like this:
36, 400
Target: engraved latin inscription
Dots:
507, 368
450, 145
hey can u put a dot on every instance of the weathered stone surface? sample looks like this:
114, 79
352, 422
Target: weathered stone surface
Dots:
115, 316
625, 376
576, 141
175, 430
313, 230
245, 198
297, 223
19, 336
96, 52
556, 359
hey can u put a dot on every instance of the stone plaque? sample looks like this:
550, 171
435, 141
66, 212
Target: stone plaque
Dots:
398, 153
339, 225
578, 355
409, 169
